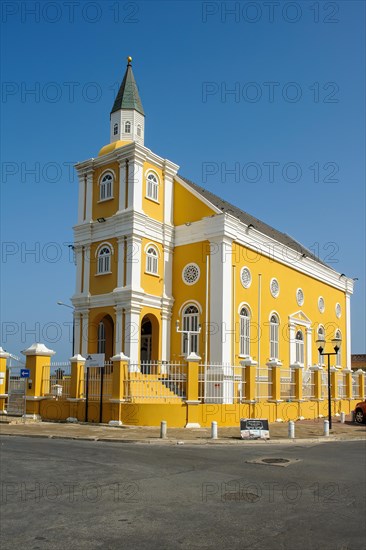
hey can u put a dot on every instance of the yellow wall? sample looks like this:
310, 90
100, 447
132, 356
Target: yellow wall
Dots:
193, 253
187, 207
105, 209
289, 280
152, 284
153, 209
106, 282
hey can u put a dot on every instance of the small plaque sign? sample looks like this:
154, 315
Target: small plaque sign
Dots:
254, 428
95, 360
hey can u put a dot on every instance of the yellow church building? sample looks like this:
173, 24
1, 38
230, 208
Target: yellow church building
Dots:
166, 268
187, 309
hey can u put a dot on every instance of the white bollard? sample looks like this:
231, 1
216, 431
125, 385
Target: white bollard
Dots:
213, 430
343, 417
326, 427
163, 425
291, 429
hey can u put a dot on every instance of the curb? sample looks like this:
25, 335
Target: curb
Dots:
175, 442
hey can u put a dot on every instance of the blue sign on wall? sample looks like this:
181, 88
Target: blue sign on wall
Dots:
24, 373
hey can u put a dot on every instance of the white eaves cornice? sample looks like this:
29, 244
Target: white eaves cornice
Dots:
226, 225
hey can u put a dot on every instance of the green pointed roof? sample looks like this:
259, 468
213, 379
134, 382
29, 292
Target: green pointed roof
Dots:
128, 94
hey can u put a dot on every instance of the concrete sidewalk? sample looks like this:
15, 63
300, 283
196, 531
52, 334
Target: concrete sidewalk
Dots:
305, 431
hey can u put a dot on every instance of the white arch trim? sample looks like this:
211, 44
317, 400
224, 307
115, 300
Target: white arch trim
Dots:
246, 305
101, 246
152, 171
274, 312
190, 303
107, 171
154, 246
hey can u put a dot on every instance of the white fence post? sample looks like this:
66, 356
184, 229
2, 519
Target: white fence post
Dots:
291, 429
163, 429
213, 430
326, 427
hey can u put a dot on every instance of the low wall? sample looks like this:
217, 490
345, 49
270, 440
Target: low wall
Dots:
176, 415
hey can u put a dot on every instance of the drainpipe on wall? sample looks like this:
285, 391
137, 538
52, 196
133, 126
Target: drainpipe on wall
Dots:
259, 325
206, 316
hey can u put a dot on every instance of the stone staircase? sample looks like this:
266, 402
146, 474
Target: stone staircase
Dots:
152, 388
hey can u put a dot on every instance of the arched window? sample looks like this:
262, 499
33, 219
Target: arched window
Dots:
128, 127
115, 129
101, 338
104, 260
244, 331
299, 347
338, 335
152, 260
273, 337
152, 186
139, 130
321, 336
106, 187
190, 322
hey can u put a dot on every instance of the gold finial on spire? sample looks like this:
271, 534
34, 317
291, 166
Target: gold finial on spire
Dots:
129, 59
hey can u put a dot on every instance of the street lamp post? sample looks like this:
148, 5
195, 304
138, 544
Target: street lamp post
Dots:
188, 333
73, 324
328, 354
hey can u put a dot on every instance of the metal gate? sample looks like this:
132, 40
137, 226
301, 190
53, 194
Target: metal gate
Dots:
98, 387
16, 392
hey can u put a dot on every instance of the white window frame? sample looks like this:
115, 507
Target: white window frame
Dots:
190, 321
115, 129
152, 186
244, 344
101, 338
104, 259
274, 326
299, 347
152, 260
321, 336
127, 125
139, 130
106, 186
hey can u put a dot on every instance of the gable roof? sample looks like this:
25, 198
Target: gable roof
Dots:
257, 224
128, 95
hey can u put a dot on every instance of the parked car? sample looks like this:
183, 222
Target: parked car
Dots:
359, 414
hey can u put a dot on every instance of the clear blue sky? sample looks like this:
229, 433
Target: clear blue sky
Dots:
298, 76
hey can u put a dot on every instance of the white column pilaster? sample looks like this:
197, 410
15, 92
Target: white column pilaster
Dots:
121, 262
309, 347
168, 271
168, 195
87, 260
85, 333
165, 335
135, 184
348, 330
221, 300
89, 195
81, 178
132, 336
118, 330
133, 263
79, 268
122, 185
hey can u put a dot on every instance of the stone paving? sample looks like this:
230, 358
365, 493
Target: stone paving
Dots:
309, 430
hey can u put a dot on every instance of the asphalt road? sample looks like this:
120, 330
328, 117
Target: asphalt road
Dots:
58, 494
